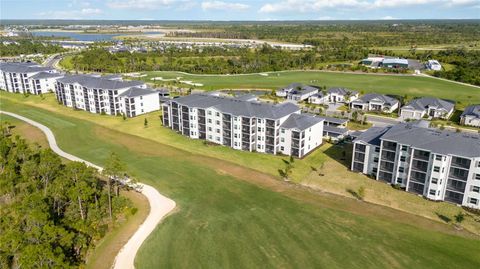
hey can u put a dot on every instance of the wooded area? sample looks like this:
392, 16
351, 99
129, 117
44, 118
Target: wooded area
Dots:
52, 213
27, 47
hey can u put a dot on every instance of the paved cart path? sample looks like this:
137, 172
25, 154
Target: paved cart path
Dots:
160, 205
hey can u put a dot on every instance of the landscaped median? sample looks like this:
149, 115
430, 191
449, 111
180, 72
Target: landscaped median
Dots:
233, 216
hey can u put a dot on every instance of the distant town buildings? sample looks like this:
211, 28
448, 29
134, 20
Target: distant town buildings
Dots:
375, 61
440, 165
427, 107
244, 124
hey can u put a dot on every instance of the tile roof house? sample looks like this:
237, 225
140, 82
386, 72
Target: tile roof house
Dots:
375, 102
471, 116
427, 107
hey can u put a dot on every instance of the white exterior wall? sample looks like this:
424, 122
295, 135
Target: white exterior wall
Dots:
313, 137
24, 84
470, 121
411, 114
142, 104
472, 183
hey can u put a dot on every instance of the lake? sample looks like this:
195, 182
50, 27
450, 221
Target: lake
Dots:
85, 37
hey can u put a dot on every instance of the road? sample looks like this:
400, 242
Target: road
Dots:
380, 121
53, 60
160, 206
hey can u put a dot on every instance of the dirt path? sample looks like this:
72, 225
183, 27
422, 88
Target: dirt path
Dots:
160, 205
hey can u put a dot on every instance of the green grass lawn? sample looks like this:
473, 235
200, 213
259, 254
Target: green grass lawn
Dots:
413, 86
229, 216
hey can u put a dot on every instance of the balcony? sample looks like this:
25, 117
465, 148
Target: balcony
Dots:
360, 148
295, 135
270, 141
461, 163
453, 197
359, 157
416, 188
358, 167
418, 177
387, 145
458, 174
421, 166
246, 121
421, 155
456, 185
270, 124
388, 156
386, 166
385, 176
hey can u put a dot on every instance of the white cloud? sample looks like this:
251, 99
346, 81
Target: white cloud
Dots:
305, 6
388, 18
309, 6
220, 5
71, 14
142, 4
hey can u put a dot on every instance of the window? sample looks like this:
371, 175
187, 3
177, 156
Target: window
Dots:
209, 129
217, 122
209, 112
375, 160
374, 170
209, 120
438, 157
282, 148
434, 180
473, 201
477, 176
218, 139
432, 192
403, 158
377, 149
476, 189
404, 148
209, 137
259, 129
399, 180
217, 131
218, 114
282, 139
235, 144
236, 136
401, 169
282, 131
259, 120
436, 169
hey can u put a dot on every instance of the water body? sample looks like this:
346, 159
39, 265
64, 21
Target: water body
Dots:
85, 37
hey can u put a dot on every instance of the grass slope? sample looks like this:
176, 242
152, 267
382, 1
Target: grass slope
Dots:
386, 84
223, 222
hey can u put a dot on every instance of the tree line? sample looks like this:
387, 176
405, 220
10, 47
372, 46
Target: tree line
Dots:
27, 47
51, 212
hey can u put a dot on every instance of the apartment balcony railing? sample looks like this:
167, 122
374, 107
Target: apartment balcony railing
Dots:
421, 155
360, 148
461, 162
389, 145
420, 165
359, 157
386, 166
388, 156
459, 174
455, 185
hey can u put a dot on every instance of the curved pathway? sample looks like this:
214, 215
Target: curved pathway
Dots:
160, 205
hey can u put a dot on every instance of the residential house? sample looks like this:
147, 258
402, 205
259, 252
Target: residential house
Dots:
19, 77
244, 124
375, 102
427, 107
341, 95
297, 92
439, 165
334, 128
434, 65
471, 116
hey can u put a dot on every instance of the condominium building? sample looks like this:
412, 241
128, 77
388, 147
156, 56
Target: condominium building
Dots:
110, 95
244, 124
440, 165
30, 78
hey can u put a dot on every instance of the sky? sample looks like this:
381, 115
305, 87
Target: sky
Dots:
225, 10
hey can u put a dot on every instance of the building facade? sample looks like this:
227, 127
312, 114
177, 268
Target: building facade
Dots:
439, 165
297, 92
27, 78
108, 95
471, 116
375, 102
244, 125
427, 107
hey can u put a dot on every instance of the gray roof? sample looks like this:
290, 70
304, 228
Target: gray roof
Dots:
375, 96
437, 141
341, 91
334, 120
44, 75
300, 121
304, 89
99, 82
335, 130
23, 67
238, 107
395, 61
423, 103
136, 91
473, 110
372, 135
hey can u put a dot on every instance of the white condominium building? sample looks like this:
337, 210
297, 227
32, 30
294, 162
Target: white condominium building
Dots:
27, 78
440, 165
244, 124
109, 95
